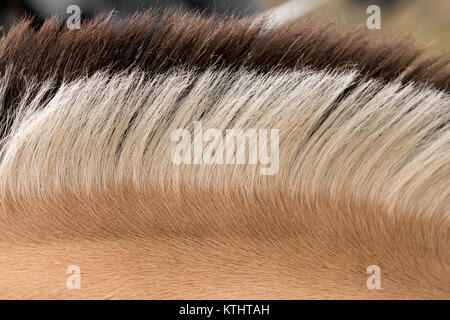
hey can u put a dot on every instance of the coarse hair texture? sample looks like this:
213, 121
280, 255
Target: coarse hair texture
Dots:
156, 42
87, 179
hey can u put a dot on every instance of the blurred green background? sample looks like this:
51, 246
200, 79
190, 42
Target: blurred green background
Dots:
426, 20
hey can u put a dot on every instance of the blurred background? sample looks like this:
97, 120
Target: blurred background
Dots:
426, 20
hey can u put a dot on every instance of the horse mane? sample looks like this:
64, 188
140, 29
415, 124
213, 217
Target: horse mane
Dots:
157, 41
87, 175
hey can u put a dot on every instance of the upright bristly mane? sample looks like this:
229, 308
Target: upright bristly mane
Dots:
157, 42
87, 175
